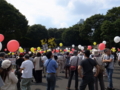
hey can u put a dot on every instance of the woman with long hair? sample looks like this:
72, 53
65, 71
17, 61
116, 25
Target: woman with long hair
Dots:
8, 76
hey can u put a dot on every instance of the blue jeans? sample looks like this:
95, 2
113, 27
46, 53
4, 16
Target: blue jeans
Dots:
51, 81
109, 73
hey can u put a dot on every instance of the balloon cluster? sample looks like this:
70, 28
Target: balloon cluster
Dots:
80, 47
12, 45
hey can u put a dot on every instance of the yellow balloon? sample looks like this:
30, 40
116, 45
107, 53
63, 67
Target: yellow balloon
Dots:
13, 53
48, 50
32, 49
68, 50
44, 51
9, 53
38, 48
61, 44
21, 50
94, 43
60, 50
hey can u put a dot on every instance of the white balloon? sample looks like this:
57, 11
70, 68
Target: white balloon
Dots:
73, 45
66, 48
0, 46
117, 39
79, 46
82, 48
104, 42
29, 52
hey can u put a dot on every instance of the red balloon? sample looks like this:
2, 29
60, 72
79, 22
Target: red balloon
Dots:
101, 46
65, 50
71, 52
89, 47
5, 49
1, 37
73, 49
118, 49
57, 51
13, 45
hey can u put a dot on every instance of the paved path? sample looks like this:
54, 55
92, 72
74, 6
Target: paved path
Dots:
61, 83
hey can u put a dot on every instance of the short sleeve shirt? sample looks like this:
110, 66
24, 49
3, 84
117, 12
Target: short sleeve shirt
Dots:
111, 64
51, 66
28, 68
37, 63
87, 66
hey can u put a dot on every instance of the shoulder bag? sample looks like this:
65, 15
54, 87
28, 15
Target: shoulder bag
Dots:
73, 68
40, 62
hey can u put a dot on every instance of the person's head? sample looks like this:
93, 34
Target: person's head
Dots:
49, 55
38, 54
31, 54
2, 55
81, 53
108, 51
6, 66
87, 53
26, 57
21, 55
67, 53
96, 53
55, 57
75, 52
44, 54
105, 50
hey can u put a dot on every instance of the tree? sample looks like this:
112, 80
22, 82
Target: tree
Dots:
91, 28
12, 23
107, 32
113, 14
36, 33
71, 35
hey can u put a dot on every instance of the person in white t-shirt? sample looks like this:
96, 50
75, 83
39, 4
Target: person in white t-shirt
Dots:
44, 58
26, 69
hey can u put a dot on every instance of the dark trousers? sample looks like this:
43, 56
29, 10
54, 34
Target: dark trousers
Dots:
38, 74
87, 81
19, 80
76, 78
51, 81
67, 70
34, 75
100, 78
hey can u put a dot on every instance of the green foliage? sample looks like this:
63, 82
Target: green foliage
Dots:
95, 29
71, 35
36, 33
12, 23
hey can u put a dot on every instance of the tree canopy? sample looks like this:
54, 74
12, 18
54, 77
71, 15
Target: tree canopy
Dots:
98, 27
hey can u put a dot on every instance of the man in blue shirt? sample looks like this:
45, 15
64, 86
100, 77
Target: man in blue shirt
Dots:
51, 67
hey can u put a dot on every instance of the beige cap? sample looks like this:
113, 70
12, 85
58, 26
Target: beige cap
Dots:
6, 64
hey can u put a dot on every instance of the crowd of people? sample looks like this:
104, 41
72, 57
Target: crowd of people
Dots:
89, 66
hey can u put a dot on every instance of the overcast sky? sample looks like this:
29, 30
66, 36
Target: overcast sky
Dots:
61, 13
